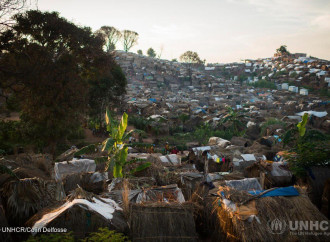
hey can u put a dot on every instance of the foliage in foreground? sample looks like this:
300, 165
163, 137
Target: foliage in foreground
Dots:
103, 234
116, 146
56, 70
310, 148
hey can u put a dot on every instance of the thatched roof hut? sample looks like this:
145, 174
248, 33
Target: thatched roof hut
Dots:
275, 174
162, 222
82, 213
242, 216
25, 197
90, 181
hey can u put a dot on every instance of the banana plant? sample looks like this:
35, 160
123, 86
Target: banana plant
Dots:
302, 124
116, 147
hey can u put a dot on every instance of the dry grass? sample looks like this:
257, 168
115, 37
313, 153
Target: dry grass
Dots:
297, 208
27, 196
125, 196
162, 222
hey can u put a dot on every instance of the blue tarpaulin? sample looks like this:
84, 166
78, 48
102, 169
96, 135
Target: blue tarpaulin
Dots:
282, 191
152, 100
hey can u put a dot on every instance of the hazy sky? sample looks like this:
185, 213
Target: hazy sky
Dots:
218, 30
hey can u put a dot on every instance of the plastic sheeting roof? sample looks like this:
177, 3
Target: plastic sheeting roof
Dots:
315, 113
106, 209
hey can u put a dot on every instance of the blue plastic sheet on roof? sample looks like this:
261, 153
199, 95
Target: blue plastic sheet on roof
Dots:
282, 191
152, 100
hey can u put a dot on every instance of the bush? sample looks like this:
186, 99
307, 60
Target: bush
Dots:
269, 122
308, 154
55, 237
104, 234
139, 122
10, 136
77, 134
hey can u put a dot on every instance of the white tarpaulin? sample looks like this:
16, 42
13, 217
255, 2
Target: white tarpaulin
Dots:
219, 142
75, 166
248, 157
278, 171
201, 149
172, 159
315, 113
105, 208
246, 184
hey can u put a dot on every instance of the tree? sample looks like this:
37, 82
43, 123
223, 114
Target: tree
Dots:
283, 50
51, 63
234, 118
183, 118
110, 36
151, 52
106, 89
140, 52
8, 8
190, 58
129, 39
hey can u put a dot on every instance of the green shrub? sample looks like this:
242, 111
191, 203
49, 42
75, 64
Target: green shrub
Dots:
10, 135
104, 234
269, 122
139, 122
77, 134
55, 237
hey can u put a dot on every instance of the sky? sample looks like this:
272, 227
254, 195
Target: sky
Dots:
220, 31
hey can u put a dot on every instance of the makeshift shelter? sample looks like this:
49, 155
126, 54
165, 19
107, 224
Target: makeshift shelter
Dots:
24, 197
272, 174
172, 159
91, 182
190, 182
74, 166
170, 193
162, 222
82, 213
67, 155
257, 215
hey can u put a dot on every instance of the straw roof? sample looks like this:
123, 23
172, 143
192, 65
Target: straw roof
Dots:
237, 225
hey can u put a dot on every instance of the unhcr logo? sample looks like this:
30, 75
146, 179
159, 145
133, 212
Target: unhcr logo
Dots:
276, 226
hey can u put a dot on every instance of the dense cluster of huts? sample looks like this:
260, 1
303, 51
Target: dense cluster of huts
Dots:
221, 191
225, 190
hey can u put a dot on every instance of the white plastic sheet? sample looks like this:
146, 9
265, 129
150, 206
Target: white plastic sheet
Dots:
171, 159
315, 113
75, 166
278, 171
248, 157
246, 184
105, 209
